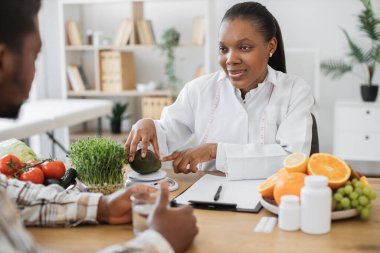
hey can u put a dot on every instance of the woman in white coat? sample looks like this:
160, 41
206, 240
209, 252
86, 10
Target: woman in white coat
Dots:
244, 119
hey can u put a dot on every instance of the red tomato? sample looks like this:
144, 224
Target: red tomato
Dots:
53, 169
32, 162
34, 175
9, 164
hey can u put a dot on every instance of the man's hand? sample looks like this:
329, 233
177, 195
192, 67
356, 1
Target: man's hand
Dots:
144, 131
117, 207
176, 225
186, 161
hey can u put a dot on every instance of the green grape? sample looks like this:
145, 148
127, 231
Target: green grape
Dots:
369, 206
341, 191
345, 202
364, 214
354, 181
363, 200
338, 197
354, 203
354, 195
358, 184
339, 207
348, 189
359, 190
347, 183
359, 208
367, 191
372, 195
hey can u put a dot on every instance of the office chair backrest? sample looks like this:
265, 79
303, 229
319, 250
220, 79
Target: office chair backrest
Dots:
314, 138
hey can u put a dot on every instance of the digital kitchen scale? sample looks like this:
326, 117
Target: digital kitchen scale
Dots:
151, 179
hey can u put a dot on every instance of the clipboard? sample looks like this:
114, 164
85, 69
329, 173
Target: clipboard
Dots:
238, 196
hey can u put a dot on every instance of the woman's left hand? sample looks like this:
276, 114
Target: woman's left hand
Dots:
186, 161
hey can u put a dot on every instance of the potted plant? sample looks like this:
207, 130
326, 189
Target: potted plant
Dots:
170, 40
369, 25
118, 116
99, 162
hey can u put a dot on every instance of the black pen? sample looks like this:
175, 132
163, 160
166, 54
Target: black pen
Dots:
217, 194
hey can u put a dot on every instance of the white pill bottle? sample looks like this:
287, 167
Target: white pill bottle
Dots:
316, 205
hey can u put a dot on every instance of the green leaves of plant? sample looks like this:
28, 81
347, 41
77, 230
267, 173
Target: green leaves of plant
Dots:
335, 68
368, 22
118, 110
170, 40
356, 52
98, 161
370, 26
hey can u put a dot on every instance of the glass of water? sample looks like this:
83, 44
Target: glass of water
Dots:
142, 206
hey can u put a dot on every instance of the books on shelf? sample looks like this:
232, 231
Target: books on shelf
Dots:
145, 32
124, 33
84, 77
73, 34
198, 31
127, 28
117, 70
76, 77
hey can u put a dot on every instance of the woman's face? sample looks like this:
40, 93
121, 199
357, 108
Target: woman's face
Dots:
244, 53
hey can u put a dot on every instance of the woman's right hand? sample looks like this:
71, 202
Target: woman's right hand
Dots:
144, 131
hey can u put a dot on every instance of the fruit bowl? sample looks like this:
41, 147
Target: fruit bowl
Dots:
271, 206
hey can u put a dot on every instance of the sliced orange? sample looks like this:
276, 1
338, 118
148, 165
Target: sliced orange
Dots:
296, 162
266, 187
335, 169
288, 184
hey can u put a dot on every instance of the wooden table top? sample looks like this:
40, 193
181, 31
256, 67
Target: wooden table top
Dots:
224, 231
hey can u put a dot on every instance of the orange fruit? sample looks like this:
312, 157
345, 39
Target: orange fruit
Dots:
288, 184
335, 169
296, 162
266, 188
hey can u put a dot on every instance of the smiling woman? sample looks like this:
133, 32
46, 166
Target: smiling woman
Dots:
246, 42
244, 119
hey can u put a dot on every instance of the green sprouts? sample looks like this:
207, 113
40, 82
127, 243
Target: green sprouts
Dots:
98, 161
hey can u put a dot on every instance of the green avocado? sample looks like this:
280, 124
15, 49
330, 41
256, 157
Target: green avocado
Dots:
146, 165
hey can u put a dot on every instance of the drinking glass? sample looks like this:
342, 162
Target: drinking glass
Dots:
142, 206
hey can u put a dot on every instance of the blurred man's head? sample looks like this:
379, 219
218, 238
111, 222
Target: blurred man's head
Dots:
20, 44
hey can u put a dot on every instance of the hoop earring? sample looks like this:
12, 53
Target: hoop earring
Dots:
270, 54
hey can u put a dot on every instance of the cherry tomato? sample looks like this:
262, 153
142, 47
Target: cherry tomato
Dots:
9, 164
34, 175
53, 169
32, 162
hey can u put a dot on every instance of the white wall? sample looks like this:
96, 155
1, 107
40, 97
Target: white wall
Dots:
304, 24
47, 81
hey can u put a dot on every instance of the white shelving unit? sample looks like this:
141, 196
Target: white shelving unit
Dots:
106, 15
126, 93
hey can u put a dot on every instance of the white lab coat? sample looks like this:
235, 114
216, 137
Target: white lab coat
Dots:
254, 135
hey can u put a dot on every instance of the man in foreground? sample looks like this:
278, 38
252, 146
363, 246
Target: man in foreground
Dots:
169, 229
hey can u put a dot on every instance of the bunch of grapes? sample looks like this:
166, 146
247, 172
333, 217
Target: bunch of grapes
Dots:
355, 194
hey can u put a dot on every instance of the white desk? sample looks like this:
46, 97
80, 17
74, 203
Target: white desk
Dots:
37, 117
